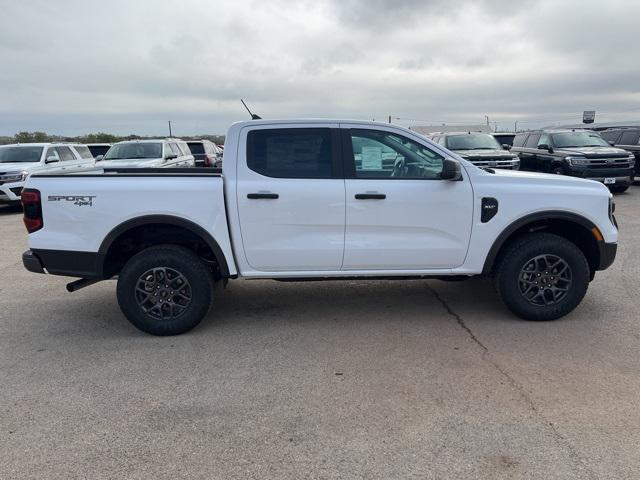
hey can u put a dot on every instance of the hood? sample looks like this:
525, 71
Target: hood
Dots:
19, 166
546, 179
497, 153
594, 151
132, 163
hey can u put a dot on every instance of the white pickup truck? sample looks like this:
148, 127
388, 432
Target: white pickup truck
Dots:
318, 199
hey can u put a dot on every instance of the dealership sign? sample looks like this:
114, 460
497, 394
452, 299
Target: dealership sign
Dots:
588, 116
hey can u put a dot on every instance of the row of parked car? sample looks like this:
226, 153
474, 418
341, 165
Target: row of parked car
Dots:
611, 156
20, 160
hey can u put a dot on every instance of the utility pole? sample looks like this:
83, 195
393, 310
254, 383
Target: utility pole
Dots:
170, 135
515, 126
487, 118
389, 118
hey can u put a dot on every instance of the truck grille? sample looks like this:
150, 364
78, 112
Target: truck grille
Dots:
506, 163
609, 162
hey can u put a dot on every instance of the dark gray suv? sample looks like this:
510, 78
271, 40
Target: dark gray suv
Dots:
627, 138
579, 153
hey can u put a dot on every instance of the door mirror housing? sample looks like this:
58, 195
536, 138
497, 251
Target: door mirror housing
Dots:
451, 170
544, 146
170, 156
506, 146
612, 143
99, 157
51, 160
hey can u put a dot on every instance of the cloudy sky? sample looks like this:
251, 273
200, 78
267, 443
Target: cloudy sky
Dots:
80, 66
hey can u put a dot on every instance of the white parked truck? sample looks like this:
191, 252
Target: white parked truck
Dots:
19, 160
319, 199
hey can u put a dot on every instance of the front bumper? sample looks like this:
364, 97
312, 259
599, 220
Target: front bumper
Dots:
10, 192
623, 176
607, 254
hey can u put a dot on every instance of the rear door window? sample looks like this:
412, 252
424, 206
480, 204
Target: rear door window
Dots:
611, 135
292, 152
532, 141
629, 137
519, 140
66, 155
83, 151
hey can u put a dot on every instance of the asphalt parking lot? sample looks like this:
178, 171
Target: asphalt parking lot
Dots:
384, 379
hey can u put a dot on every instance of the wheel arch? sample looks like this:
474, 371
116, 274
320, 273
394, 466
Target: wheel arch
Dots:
574, 227
120, 231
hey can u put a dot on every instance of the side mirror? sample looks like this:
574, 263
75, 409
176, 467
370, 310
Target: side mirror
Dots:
506, 146
451, 170
612, 143
544, 146
51, 160
170, 156
99, 157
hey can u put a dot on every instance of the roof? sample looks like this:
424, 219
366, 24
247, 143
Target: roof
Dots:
42, 144
599, 125
427, 129
145, 140
446, 134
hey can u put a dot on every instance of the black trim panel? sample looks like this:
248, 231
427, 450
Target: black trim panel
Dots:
31, 262
607, 254
167, 220
71, 263
521, 222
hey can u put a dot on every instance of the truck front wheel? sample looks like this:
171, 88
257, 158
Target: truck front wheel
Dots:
164, 290
542, 276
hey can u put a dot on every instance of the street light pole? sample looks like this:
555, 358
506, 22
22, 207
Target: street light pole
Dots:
170, 135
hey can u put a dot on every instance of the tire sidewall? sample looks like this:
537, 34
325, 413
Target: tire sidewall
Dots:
179, 259
508, 278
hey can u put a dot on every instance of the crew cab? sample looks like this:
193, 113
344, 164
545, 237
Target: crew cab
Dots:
19, 160
161, 153
579, 153
481, 149
319, 200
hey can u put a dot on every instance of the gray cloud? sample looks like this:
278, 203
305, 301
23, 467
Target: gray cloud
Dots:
78, 66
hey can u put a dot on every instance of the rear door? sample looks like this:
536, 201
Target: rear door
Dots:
291, 197
400, 214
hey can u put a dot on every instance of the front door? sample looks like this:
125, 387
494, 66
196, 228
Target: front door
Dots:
400, 214
291, 199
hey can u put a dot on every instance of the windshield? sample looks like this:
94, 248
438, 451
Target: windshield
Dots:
20, 154
472, 141
127, 151
578, 139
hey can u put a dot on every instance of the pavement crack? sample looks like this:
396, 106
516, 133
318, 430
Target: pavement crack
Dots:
517, 386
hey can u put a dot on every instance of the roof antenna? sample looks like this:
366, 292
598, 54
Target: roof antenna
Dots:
253, 115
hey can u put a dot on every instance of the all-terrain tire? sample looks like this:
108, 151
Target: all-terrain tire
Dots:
165, 290
514, 274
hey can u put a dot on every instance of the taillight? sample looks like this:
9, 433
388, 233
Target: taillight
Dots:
208, 160
32, 209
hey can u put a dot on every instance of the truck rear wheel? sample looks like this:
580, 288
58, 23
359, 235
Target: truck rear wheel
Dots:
542, 276
164, 290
